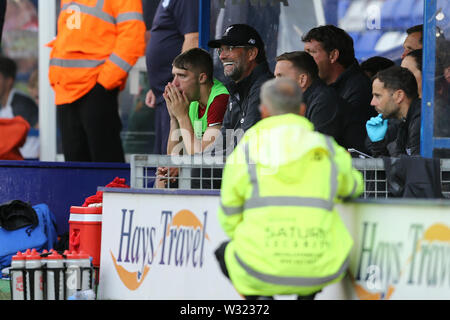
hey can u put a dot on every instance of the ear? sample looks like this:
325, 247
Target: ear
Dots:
202, 78
334, 55
302, 80
252, 53
399, 96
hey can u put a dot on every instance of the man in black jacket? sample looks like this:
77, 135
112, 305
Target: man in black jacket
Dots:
395, 96
413, 40
323, 104
242, 54
241, 51
332, 49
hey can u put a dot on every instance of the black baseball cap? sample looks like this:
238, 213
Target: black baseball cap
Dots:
239, 35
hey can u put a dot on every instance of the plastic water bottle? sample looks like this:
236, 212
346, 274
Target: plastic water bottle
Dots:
44, 255
34, 276
55, 277
17, 276
87, 276
72, 274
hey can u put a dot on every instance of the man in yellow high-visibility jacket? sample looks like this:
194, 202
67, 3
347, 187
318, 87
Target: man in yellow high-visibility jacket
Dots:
278, 192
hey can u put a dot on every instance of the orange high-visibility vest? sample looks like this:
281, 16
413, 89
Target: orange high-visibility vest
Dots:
97, 41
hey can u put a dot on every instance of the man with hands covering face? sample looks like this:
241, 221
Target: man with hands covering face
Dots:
196, 104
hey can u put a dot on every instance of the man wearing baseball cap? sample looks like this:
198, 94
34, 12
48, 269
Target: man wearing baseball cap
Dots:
241, 51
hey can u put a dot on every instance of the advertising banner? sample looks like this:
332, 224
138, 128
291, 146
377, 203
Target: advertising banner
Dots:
158, 246
401, 251
161, 246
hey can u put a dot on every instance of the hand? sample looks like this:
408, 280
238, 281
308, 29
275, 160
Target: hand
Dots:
161, 180
160, 183
161, 176
168, 102
177, 102
150, 99
376, 128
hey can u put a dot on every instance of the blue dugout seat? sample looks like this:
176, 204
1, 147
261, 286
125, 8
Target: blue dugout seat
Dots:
388, 13
343, 6
368, 40
404, 17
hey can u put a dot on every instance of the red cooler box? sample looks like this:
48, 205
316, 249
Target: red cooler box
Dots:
85, 231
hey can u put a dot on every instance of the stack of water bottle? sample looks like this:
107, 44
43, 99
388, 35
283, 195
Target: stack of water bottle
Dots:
52, 276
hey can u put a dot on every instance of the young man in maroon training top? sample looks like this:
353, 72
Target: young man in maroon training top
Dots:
196, 104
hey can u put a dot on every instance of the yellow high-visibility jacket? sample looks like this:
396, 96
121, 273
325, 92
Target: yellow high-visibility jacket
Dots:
97, 41
279, 187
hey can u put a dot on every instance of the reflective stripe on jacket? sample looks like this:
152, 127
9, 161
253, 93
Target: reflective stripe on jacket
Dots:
97, 41
277, 205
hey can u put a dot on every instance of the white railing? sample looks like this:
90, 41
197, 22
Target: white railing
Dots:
197, 172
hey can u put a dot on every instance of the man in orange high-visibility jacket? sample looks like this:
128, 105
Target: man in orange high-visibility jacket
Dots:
97, 43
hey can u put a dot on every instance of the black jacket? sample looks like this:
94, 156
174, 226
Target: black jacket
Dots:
2, 17
242, 113
322, 109
413, 177
243, 105
24, 106
408, 136
356, 88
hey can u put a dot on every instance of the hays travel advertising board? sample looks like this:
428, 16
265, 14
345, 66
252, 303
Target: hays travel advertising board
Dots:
161, 246
401, 251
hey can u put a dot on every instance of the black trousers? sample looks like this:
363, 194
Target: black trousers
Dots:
220, 256
90, 127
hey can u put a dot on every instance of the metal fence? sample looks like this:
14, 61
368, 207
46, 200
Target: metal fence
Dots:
197, 172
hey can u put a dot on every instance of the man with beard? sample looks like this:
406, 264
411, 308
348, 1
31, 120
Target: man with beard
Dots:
243, 56
395, 96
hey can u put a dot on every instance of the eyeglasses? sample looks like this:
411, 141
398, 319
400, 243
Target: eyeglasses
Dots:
228, 49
